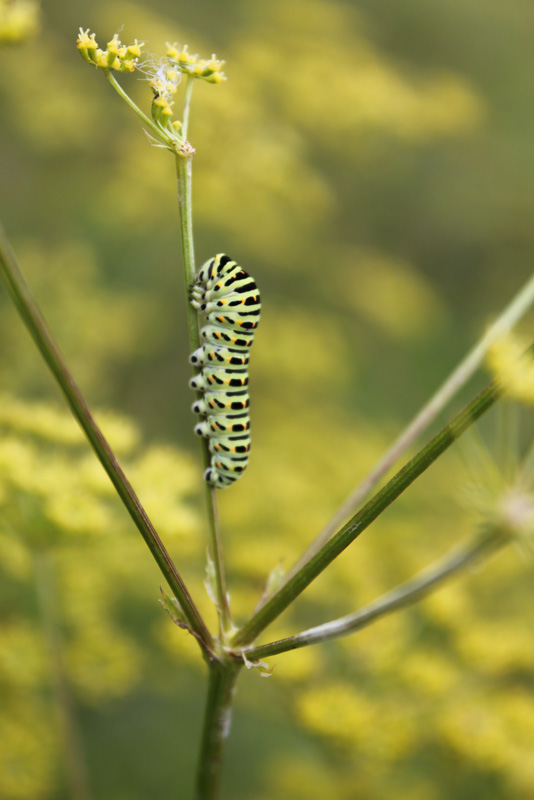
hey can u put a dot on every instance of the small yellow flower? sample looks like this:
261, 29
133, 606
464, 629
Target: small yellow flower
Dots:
133, 50
87, 45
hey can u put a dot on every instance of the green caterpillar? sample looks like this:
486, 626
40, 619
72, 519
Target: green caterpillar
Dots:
229, 299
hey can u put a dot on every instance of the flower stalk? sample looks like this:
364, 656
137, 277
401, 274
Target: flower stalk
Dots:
504, 323
184, 176
463, 557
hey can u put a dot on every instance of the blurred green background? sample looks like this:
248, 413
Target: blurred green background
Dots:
371, 165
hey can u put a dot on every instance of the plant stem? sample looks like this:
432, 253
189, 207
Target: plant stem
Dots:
363, 518
32, 318
187, 104
502, 325
158, 130
217, 718
184, 183
431, 578
70, 735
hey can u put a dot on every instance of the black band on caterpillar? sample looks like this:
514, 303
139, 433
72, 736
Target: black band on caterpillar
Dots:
228, 298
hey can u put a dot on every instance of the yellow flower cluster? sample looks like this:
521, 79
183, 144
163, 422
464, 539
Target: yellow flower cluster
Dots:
117, 56
19, 19
209, 70
164, 82
513, 366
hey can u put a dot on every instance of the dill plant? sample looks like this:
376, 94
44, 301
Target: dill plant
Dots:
508, 515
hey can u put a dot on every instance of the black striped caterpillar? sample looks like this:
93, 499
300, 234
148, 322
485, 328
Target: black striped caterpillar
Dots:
229, 299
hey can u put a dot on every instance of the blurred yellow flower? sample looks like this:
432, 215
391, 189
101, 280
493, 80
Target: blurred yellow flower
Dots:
19, 20
512, 364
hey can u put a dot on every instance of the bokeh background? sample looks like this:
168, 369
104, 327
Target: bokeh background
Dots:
371, 165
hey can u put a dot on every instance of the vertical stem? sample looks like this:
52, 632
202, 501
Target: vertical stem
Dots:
70, 735
217, 718
187, 105
184, 172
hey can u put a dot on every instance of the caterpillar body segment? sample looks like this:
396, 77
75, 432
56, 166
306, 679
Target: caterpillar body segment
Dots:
219, 426
215, 377
215, 403
218, 335
240, 445
229, 301
219, 355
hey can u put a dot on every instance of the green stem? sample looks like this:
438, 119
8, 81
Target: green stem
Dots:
70, 735
465, 369
467, 555
184, 183
187, 104
32, 318
370, 511
217, 718
157, 129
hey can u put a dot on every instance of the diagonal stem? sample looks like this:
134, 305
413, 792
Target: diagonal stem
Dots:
34, 321
367, 514
465, 369
463, 557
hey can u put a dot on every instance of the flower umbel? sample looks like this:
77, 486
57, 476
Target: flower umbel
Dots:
116, 56
208, 70
501, 491
164, 76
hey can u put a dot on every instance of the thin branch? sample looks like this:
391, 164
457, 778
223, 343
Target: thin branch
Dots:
504, 323
157, 129
363, 518
184, 175
467, 555
34, 321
